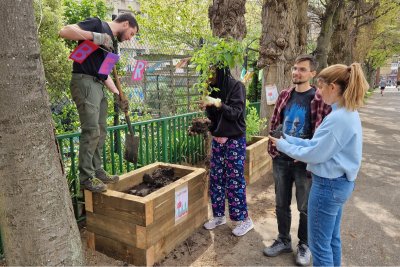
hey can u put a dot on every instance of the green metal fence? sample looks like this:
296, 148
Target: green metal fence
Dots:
163, 139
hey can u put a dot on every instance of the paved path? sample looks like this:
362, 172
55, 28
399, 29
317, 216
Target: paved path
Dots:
371, 223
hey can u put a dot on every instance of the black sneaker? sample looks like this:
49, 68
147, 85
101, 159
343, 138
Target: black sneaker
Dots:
105, 177
94, 185
277, 248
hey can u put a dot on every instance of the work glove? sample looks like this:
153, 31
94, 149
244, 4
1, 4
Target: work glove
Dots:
124, 105
103, 39
211, 101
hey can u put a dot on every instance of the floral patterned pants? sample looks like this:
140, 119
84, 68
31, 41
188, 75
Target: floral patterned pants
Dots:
227, 178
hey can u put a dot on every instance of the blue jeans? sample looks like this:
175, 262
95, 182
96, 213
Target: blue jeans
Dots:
287, 173
325, 206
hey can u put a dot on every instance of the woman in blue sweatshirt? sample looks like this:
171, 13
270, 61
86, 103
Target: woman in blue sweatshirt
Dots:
333, 156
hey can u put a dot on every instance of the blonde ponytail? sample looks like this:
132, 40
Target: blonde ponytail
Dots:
353, 95
351, 81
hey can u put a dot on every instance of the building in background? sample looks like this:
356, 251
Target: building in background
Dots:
121, 6
390, 72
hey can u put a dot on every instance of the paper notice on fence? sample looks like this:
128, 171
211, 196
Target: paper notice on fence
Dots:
181, 203
272, 94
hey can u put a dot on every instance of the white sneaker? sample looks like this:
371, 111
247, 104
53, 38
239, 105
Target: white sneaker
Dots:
243, 227
303, 255
214, 222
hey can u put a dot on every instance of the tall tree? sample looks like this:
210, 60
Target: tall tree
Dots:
354, 18
380, 42
36, 217
339, 39
227, 18
227, 21
326, 13
284, 37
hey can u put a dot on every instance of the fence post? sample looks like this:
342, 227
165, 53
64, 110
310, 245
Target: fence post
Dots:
164, 140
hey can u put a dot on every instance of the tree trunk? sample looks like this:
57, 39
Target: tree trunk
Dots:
284, 37
340, 52
227, 18
36, 217
324, 38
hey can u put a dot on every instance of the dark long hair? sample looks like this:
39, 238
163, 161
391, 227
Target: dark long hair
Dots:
223, 76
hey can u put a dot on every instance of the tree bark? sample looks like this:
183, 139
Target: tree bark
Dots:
324, 38
340, 52
227, 18
36, 216
284, 37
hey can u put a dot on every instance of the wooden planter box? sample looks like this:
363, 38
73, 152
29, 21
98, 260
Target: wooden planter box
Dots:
258, 161
142, 230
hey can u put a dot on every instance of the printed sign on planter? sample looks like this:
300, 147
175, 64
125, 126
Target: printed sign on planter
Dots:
181, 203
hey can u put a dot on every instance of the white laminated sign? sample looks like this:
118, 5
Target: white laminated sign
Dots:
272, 94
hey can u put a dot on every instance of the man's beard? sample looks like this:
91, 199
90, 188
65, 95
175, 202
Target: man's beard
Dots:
119, 36
298, 81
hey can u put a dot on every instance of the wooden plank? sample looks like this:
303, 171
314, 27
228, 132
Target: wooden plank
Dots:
149, 212
120, 251
88, 200
180, 234
125, 209
257, 164
90, 240
166, 224
112, 228
254, 176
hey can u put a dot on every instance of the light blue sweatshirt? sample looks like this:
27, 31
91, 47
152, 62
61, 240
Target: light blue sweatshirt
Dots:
334, 150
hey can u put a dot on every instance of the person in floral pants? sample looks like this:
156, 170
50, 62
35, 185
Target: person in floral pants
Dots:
225, 108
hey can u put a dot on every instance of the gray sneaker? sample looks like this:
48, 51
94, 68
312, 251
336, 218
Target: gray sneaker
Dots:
303, 256
278, 247
105, 177
94, 185
214, 222
243, 227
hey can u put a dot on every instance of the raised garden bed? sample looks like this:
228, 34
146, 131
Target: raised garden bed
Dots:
142, 230
258, 161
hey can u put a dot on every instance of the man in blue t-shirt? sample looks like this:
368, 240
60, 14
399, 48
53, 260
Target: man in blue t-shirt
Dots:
88, 93
299, 110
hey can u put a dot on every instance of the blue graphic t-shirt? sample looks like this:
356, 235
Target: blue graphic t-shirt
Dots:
297, 114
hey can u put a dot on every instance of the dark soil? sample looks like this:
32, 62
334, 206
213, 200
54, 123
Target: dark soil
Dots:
159, 178
199, 126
